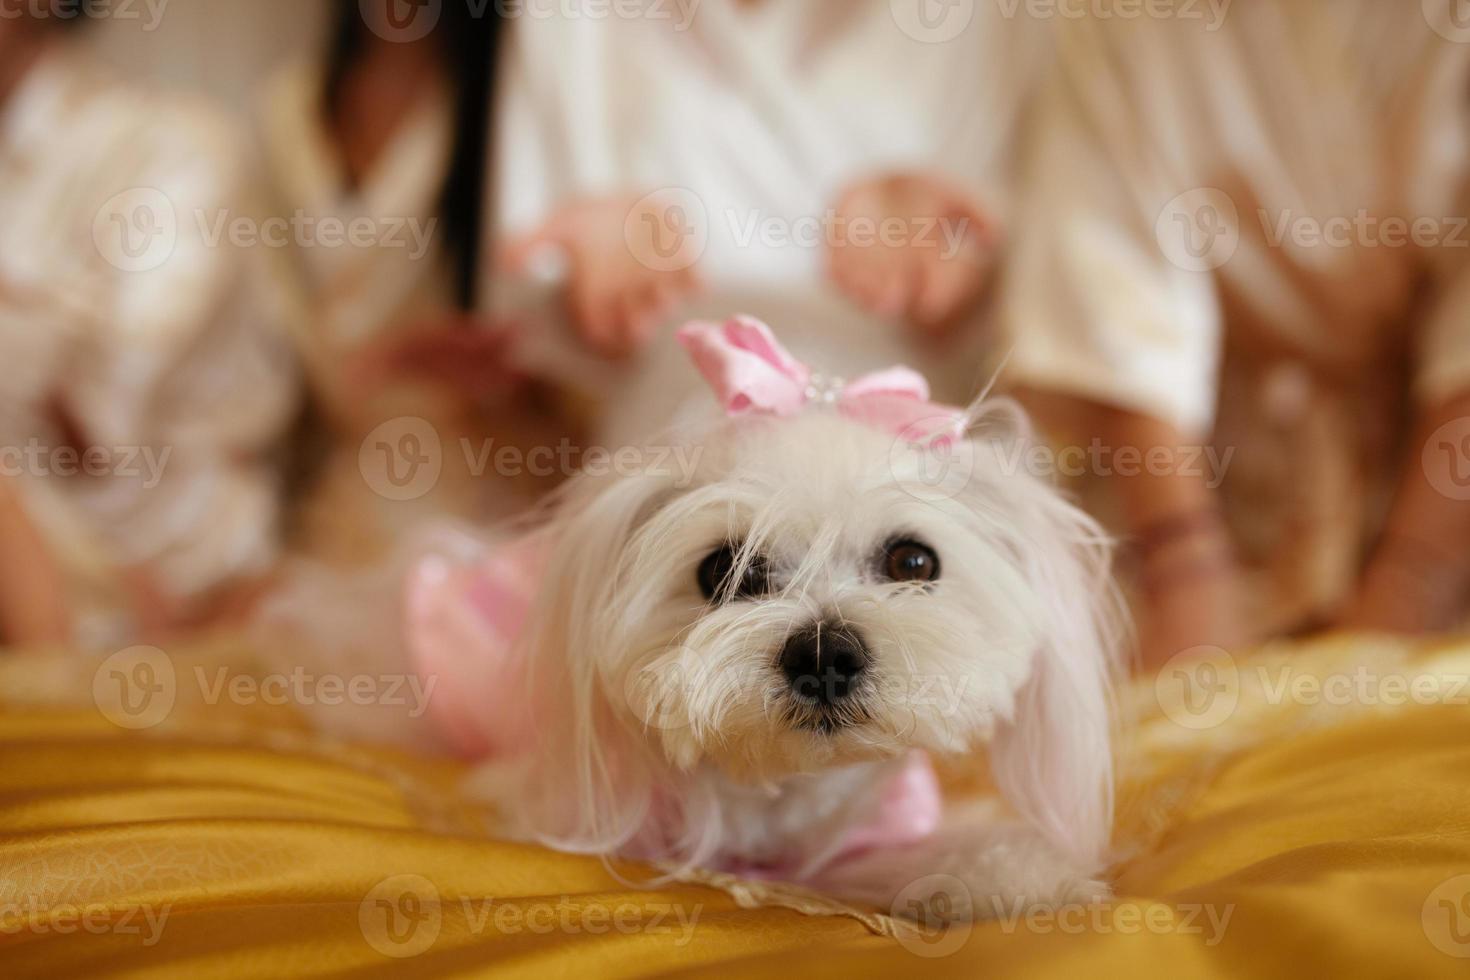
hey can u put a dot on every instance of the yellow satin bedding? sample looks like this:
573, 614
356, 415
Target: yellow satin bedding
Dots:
1285, 830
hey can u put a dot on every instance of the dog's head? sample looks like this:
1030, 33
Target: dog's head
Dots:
809, 591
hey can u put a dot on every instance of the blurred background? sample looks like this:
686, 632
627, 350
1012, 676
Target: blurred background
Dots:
213, 48
287, 280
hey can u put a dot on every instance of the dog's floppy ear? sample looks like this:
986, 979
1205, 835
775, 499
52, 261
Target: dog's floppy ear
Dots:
587, 789
1053, 759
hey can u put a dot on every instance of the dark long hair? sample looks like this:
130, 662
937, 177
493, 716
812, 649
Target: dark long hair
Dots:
467, 45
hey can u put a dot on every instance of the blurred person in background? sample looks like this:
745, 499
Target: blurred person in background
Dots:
393, 131
146, 380
388, 132
613, 127
1250, 239
723, 155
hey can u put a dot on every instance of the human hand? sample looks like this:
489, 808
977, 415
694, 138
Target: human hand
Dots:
912, 247
1418, 580
630, 264
1408, 588
458, 352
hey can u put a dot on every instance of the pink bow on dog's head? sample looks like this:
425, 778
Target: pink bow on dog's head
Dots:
751, 373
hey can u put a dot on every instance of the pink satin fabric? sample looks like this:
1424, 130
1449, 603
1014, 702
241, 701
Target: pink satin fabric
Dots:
463, 620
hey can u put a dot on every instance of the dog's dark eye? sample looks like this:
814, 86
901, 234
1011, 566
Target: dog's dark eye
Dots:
907, 560
719, 565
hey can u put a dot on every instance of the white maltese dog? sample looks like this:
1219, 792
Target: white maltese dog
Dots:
747, 663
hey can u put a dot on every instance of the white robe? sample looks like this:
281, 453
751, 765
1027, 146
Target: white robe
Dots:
1267, 176
164, 341
760, 116
1294, 115
355, 296
354, 293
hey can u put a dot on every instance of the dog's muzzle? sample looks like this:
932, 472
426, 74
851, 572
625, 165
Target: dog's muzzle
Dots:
824, 663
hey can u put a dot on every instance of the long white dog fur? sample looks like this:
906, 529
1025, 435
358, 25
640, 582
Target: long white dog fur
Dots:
667, 730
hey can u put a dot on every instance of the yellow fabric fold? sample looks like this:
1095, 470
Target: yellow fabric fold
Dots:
1291, 835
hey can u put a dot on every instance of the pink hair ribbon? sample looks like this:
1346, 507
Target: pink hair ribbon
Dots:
752, 374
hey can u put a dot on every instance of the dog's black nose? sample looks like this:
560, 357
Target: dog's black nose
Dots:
823, 663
